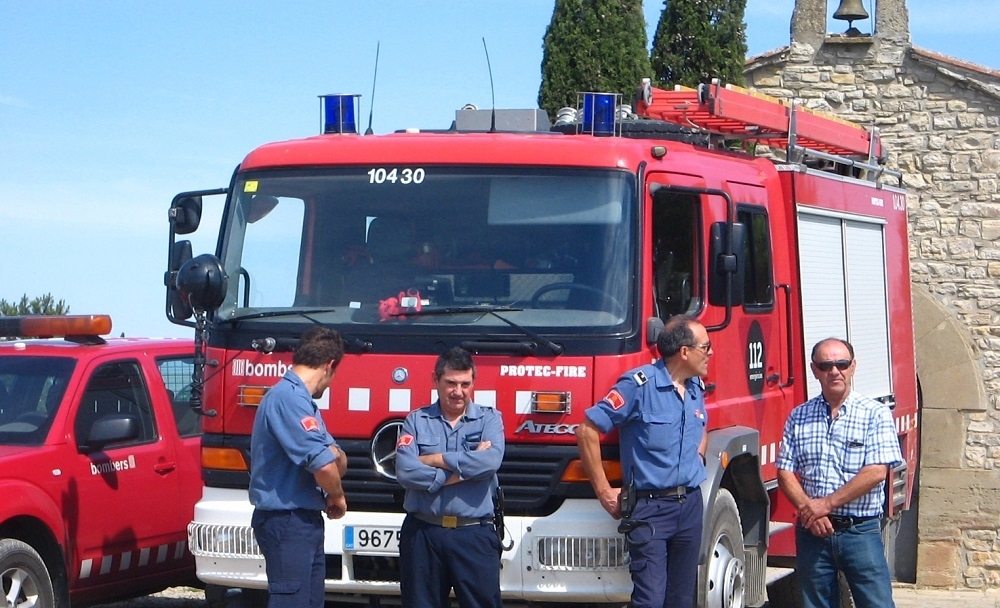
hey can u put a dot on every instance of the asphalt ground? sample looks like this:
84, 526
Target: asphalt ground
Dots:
905, 596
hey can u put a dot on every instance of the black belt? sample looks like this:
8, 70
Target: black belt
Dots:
675, 492
451, 521
843, 522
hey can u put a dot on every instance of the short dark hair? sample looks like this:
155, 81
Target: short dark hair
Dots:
676, 333
318, 346
850, 349
455, 358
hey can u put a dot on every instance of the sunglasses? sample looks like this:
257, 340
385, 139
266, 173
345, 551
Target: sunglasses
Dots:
707, 346
825, 366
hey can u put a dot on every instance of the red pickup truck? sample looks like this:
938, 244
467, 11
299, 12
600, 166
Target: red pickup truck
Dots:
99, 462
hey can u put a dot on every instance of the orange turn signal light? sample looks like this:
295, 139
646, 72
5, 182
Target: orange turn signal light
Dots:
251, 396
576, 473
226, 459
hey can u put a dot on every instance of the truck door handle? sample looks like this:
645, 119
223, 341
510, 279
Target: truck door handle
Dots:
164, 467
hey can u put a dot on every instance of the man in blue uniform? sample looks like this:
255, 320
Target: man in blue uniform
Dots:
447, 458
836, 451
659, 411
295, 471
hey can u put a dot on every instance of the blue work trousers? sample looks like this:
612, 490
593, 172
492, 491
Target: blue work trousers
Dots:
292, 544
434, 560
857, 552
664, 558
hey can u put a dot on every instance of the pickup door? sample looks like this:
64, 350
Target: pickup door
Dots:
124, 504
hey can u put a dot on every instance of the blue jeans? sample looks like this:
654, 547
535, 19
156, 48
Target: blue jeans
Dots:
858, 553
292, 544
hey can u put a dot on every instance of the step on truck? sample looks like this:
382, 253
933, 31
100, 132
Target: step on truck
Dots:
555, 253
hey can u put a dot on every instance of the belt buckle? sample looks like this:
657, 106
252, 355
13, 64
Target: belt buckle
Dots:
449, 521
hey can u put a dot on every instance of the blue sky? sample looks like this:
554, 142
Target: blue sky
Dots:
108, 109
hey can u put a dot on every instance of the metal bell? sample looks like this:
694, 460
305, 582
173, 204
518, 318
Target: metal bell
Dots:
849, 11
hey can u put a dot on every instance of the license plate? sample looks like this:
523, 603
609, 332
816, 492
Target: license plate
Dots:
372, 539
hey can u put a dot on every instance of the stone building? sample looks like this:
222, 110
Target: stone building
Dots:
940, 119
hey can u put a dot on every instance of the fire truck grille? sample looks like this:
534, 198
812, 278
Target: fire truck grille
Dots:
213, 540
529, 476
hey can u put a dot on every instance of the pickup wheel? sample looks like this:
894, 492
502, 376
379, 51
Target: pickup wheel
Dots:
24, 579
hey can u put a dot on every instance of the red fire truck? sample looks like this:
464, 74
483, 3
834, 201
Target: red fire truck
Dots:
98, 462
555, 254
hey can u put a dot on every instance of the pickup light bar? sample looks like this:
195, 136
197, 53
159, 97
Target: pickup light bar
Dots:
53, 326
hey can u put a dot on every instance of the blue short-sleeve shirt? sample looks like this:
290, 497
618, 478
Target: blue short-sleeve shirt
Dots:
659, 432
288, 444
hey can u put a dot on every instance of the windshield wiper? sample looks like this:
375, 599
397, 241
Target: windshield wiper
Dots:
285, 312
492, 309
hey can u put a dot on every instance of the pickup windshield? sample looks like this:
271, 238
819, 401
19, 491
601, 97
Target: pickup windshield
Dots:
363, 246
31, 389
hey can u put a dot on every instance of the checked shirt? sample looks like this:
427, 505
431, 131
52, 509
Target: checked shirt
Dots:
827, 453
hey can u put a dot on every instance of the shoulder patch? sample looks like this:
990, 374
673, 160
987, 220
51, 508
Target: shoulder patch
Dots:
640, 378
404, 440
309, 424
615, 399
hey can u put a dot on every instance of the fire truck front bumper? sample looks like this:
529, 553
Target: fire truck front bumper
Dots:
572, 555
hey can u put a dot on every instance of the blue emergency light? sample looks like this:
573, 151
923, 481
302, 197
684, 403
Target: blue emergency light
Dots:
599, 113
338, 112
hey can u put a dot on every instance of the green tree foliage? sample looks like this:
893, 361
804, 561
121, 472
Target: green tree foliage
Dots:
42, 305
592, 45
697, 40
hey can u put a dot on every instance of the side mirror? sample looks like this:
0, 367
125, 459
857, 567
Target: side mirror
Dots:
185, 214
110, 429
177, 308
727, 267
654, 327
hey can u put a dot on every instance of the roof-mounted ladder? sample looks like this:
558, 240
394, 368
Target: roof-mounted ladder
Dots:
739, 113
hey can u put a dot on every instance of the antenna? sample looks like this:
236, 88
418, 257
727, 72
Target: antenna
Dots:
371, 108
493, 98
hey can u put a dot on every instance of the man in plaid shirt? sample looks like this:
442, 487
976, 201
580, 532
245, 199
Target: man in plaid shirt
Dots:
836, 452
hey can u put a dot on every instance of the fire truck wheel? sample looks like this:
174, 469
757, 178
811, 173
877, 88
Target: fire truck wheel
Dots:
721, 577
24, 579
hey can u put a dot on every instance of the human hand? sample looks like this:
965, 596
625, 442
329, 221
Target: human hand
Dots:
822, 527
483, 445
336, 507
611, 501
814, 509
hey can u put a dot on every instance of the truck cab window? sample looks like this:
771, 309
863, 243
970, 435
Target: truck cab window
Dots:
758, 287
676, 283
116, 390
176, 374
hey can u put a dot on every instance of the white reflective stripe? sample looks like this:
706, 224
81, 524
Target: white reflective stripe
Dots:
179, 551
359, 399
399, 400
144, 556
161, 554
487, 398
763, 455
774, 448
323, 402
105, 564
522, 402
126, 561
85, 567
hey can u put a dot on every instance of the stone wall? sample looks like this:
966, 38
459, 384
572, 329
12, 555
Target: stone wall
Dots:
940, 120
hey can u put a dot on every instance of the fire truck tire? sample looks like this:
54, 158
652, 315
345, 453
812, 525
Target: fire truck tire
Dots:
24, 579
250, 598
721, 577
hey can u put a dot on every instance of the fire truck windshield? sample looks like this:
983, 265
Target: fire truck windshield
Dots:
394, 248
31, 389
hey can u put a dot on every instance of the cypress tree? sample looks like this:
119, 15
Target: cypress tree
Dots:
697, 40
592, 45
